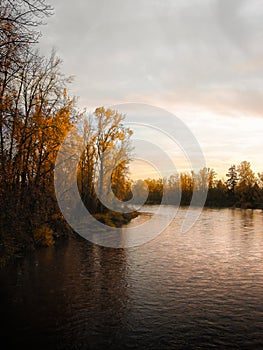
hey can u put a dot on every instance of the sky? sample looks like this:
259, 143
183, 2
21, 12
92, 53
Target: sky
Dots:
201, 60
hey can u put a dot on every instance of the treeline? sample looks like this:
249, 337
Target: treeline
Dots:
242, 188
35, 115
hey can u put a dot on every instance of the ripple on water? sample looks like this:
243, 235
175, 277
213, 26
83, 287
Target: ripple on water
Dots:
196, 290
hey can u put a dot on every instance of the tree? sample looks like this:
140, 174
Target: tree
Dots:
35, 115
187, 182
120, 182
19, 21
36, 119
104, 164
245, 174
87, 166
172, 188
260, 180
246, 190
206, 178
232, 178
155, 187
211, 178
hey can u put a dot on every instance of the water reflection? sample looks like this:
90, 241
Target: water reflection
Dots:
200, 289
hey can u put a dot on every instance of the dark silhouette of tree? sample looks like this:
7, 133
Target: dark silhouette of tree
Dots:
231, 184
19, 22
232, 178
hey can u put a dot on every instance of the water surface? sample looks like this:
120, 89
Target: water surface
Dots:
197, 290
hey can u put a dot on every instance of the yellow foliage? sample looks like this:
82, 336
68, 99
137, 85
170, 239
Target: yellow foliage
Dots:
43, 236
105, 219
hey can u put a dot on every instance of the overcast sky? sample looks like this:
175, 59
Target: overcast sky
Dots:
199, 59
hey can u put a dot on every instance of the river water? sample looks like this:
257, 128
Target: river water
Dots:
197, 290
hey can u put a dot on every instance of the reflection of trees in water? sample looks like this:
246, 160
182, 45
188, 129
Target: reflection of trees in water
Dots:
244, 223
78, 290
247, 216
98, 291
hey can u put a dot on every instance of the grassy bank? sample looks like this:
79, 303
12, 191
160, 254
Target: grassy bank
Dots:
116, 219
19, 235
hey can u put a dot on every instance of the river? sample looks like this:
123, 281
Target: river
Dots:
197, 290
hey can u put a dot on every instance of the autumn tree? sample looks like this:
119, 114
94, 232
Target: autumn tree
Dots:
35, 115
247, 190
246, 175
87, 165
260, 179
187, 181
205, 179
19, 22
36, 120
120, 183
155, 187
103, 169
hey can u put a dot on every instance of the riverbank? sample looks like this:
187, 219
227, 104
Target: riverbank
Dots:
18, 239
116, 219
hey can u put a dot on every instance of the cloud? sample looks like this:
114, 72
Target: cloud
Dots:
206, 53
201, 59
